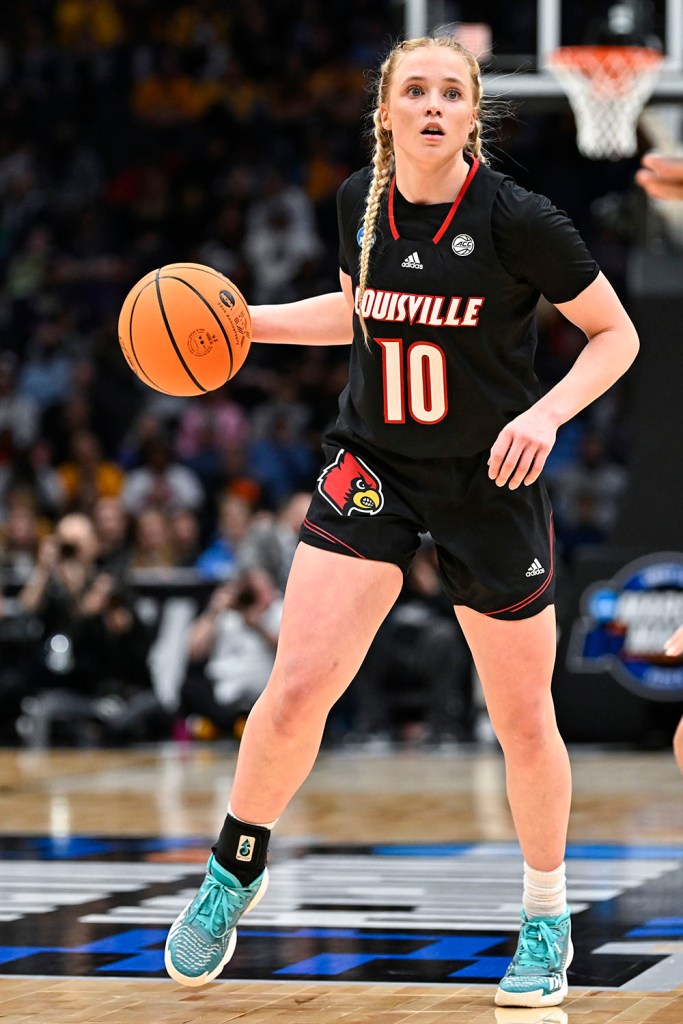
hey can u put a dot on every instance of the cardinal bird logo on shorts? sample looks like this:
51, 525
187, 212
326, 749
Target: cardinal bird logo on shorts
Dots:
350, 487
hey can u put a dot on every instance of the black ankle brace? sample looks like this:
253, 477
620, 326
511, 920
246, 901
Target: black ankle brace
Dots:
242, 849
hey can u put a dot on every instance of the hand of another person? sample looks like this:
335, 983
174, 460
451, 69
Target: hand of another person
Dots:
520, 450
661, 176
674, 645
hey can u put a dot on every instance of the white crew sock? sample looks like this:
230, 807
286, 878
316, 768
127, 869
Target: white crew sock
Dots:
270, 825
545, 892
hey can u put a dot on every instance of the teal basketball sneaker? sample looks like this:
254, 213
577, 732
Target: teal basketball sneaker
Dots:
203, 936
537, 975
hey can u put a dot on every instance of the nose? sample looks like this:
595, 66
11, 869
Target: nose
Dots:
433, 105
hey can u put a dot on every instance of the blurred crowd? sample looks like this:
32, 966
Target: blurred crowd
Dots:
137, 133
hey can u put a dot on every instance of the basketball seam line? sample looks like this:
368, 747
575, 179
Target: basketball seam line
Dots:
132, 343
172, 339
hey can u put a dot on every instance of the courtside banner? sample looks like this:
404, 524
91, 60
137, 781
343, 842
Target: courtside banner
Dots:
623, 624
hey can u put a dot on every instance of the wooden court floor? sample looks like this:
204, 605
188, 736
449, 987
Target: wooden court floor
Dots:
354, 798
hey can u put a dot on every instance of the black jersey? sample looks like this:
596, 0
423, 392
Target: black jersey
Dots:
449, 308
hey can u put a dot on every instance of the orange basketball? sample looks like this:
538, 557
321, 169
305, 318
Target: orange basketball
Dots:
185, 329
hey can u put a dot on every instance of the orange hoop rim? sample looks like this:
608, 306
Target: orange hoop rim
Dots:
587, 59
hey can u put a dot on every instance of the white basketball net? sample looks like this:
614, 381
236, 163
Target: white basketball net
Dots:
607, 87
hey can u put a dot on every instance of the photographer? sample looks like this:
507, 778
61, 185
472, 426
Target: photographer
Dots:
232, 648
64, 586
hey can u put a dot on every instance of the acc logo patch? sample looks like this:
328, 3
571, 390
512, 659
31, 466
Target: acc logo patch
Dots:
462, 245
624, 623
350, 486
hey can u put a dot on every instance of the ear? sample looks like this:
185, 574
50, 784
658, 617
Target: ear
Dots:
385, 117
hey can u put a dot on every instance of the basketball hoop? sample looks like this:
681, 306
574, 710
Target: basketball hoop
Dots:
607, 87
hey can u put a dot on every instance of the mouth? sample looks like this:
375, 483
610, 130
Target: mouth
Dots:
433, 131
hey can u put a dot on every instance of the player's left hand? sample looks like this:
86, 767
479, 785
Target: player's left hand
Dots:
520, 450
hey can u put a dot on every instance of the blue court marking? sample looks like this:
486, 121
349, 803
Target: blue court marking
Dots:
454, 947
133, 944
575, 851
659, 927
75, 846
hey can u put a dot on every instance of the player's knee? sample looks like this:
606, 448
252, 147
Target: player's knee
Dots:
525, 726
302, 691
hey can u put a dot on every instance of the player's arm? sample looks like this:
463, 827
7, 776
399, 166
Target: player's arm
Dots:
520, 451
661, 176
321, 320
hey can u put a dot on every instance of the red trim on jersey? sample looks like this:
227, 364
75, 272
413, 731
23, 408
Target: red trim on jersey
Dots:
449, 216
392, 222
456, 203
537, 593
331, 537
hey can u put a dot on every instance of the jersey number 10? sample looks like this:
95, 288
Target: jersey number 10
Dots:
421, 376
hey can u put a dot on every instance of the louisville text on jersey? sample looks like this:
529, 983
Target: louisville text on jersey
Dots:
400, 307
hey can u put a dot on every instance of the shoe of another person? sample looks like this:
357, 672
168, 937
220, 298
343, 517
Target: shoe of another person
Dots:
202, 938
537, 975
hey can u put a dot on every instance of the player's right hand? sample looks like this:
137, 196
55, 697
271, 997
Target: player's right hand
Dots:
674, 645
661, 176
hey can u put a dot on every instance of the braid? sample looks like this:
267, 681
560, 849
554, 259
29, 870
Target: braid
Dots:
474, 142
383, 160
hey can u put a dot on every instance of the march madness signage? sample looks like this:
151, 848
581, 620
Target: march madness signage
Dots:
624, 623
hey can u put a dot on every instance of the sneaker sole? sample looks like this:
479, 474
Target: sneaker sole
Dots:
536, 998
203, 979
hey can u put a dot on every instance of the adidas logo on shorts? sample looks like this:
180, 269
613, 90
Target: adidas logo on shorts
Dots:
535, 569
412, 261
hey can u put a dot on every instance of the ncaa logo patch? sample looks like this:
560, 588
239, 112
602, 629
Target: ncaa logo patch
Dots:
350, 486
359, 237
462, 245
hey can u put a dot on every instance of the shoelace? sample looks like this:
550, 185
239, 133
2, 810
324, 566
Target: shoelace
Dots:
221, 901
538, 944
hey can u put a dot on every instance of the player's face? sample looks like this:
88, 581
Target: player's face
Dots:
429, 108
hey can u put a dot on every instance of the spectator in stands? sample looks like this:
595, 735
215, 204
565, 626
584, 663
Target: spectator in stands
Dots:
88, 476
161, 482
185, 537
112, 528
28, 472
45, 375
220, 559
153, 546
596, 477
271, 540
114, 647
280, 239
232, 648
21, 536
281, 461
18, 413
206, 427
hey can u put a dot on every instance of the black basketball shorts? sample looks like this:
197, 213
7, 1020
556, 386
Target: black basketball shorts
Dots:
495, 547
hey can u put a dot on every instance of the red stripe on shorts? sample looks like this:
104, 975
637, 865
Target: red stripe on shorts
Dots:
331, 537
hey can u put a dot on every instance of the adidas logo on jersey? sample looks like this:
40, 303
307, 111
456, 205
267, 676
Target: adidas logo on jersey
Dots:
535, 569
412, 261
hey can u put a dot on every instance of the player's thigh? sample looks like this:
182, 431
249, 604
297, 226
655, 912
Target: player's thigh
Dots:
515, 661
334, 604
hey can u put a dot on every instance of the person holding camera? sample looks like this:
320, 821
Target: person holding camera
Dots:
64, 587
232, 650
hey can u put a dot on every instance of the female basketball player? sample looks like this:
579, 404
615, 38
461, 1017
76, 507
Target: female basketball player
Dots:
441, 429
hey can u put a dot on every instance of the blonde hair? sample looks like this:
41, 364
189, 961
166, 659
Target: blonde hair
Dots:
383, 155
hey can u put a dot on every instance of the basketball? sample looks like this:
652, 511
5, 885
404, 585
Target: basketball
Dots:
185, 329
